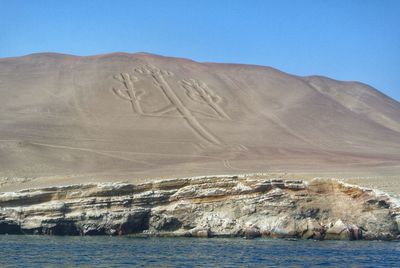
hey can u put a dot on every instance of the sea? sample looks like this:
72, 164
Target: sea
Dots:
125, 251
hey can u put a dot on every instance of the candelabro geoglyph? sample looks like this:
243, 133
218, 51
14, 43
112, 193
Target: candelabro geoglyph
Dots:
196, 91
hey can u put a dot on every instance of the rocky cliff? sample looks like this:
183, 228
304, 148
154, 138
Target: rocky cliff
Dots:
205, 207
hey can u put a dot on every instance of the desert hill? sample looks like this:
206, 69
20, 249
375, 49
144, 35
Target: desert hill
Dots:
122, 116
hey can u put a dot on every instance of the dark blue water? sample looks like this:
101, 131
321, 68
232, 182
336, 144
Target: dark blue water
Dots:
50, 251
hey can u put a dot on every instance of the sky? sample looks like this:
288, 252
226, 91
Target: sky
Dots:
357, 40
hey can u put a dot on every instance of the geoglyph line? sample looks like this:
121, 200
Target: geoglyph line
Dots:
159, 80
227, 164
129, 93
196, 91
107, 153
199, 91
90, 151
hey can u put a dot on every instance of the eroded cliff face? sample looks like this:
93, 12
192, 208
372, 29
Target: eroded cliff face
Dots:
205, 207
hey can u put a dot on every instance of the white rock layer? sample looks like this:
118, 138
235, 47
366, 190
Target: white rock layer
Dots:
205, 207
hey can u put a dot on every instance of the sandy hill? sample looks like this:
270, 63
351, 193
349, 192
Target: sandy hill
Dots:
122, 115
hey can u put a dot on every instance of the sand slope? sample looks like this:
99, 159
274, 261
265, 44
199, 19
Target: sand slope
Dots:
140, 115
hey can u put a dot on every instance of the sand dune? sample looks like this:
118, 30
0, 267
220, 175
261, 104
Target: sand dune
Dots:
133, 116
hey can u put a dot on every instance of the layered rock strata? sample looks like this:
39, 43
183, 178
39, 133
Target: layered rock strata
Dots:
237, 206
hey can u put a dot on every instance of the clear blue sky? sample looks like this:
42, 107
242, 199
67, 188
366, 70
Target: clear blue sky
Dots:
342, 39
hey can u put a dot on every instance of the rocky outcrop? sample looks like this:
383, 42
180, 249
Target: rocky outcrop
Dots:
205, 207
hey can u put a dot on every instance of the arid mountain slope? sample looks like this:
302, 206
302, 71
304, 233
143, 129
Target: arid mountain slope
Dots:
141, 116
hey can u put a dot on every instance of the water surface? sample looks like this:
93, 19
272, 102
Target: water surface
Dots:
49, 251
